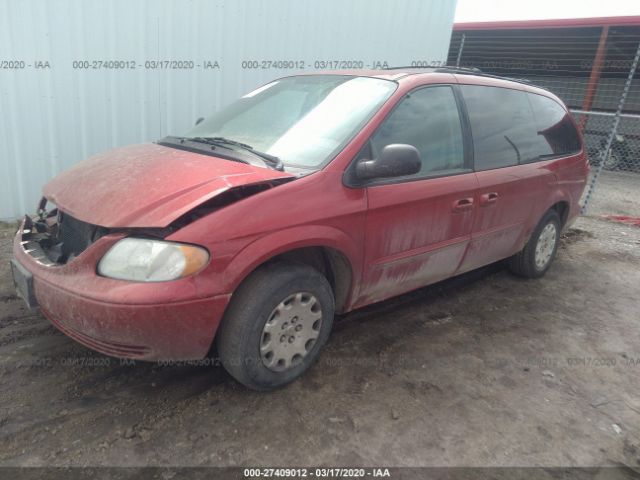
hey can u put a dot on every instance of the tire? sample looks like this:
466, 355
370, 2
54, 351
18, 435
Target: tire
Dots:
612, 161
259, 318
593, 157
529, 264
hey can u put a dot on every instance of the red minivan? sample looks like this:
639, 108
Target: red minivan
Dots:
313, 195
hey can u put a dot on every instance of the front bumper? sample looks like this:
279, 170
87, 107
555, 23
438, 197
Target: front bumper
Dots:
172, 331
161, 321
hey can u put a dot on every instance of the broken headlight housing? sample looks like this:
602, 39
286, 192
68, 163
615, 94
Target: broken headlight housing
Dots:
147, 260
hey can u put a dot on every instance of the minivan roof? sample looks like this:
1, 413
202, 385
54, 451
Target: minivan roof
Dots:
464, 75
395, 73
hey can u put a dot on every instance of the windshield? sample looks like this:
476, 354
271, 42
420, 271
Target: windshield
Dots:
304, 121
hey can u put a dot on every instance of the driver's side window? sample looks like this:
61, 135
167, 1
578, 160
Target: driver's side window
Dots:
427, 119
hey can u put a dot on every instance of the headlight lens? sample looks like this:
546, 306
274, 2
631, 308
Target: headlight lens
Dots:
145, 260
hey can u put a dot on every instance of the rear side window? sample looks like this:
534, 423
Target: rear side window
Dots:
555, 132
502, 124
428, 119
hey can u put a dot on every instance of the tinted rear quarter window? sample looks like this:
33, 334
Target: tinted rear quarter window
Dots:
555, 132
502, 124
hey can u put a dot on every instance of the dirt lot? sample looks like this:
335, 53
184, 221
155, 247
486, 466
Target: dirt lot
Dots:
616, 193
486, 369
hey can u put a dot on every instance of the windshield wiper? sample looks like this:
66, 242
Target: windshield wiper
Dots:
180, 142
270, 160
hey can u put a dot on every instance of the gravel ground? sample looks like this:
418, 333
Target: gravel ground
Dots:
616, 193
485, 369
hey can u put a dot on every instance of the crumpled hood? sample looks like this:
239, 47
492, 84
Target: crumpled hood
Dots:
147, 185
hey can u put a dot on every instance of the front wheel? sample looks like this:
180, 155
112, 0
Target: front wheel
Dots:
276, 324
535, 258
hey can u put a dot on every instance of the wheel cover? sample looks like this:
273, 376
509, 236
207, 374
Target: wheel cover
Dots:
291, 331
546, 245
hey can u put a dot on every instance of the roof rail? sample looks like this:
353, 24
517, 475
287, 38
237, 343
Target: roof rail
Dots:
408, 67
468, 70
480, 73
435, 68
465, 71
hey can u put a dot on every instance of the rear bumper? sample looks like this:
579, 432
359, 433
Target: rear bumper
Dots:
163, 321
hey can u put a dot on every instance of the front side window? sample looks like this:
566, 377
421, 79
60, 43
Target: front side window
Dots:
502, 126
556, 133
304, 120
427, 119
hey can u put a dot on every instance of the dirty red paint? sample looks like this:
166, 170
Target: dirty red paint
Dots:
395, 237
159, 183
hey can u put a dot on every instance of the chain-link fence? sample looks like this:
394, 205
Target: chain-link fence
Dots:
624, 154
616, 191
592, 68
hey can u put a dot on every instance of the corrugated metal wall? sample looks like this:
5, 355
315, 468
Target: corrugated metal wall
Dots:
79, 77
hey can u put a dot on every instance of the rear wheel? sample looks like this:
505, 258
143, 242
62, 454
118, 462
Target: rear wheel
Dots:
276, 324
612, 161
535, 258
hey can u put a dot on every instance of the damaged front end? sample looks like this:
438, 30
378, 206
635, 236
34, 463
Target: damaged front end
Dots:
55, 238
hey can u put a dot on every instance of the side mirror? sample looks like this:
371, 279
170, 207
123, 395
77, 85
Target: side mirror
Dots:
396, 160
199, 120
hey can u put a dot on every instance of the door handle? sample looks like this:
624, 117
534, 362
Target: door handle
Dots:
463, 205
488, 199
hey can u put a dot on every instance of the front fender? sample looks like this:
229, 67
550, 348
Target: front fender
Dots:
282, 241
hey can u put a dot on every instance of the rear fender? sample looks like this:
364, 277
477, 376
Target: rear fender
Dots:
558, 195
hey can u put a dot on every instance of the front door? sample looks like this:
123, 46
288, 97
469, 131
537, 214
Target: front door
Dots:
418, 227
